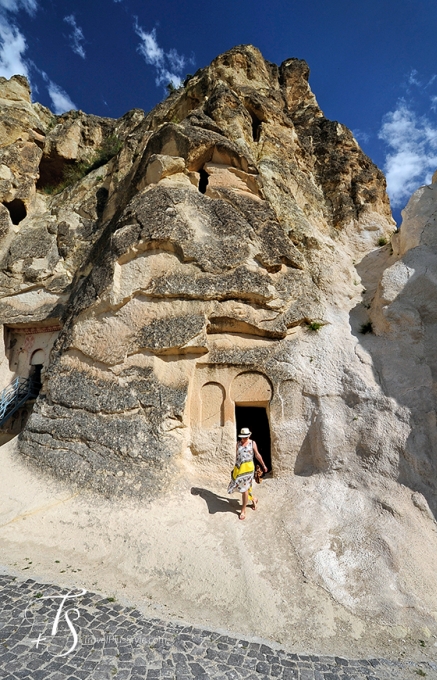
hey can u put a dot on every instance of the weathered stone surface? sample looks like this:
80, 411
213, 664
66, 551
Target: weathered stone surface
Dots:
161, 166
404, 309
20, 120
216, 220
110, 425
175, 333
218, 249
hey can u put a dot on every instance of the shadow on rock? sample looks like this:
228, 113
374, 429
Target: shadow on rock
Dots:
216, 503
404, 361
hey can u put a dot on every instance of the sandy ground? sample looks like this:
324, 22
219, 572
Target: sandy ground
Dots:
186, 556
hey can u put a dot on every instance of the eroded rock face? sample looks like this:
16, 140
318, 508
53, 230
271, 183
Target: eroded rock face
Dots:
222, 227
211, 265
210, 240
404, 317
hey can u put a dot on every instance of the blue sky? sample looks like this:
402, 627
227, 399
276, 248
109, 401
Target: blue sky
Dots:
373, 64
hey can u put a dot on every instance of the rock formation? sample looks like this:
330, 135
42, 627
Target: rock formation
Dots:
215, 264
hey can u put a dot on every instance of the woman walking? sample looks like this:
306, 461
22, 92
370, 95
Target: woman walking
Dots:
244, 470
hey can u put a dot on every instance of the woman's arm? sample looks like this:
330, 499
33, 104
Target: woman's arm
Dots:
258, 456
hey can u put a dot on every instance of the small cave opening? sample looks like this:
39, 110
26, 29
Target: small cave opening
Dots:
17, 210
51, 171
35, 376
256, 126
102, 195
203, 182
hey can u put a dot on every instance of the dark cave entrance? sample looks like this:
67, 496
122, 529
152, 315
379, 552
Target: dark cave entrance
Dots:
51, 171
35, 375
257, 420
17, 210
203, 182
256, 126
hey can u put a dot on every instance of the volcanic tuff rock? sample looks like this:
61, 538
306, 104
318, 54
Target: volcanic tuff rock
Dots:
216, 260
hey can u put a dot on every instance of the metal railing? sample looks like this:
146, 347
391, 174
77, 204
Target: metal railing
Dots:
15, 395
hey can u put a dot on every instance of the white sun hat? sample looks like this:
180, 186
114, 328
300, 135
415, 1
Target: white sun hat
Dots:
245, 432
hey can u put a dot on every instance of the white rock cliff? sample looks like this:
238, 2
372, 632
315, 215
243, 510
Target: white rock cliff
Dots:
226, 257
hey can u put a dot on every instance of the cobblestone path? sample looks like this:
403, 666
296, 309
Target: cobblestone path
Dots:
44, 636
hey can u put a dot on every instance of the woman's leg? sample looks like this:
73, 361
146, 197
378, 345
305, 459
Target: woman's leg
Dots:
244, 497
252, 498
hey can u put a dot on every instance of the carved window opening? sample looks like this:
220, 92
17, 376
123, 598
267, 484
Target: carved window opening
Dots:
203, 182
256, 126
257, 420
102, 195
17, 210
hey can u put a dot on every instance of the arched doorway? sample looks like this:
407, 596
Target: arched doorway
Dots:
37, 363
257, 420
251, 393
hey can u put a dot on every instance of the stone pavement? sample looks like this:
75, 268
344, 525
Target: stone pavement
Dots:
44, 636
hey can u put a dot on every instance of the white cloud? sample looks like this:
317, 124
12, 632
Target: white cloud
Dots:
12, 41
12, 47
76, 36
431, 80
60, 100
412, 155
16, 5
149, 48
361, 136
413, 78
177, 61
169, 65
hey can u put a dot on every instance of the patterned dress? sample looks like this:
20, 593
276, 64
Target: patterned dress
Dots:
244, 470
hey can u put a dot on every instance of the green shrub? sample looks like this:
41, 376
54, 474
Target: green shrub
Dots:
51, 124
74, 172
50, 189
382, 241
170, 88
366, 328
314, 325
107, 150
